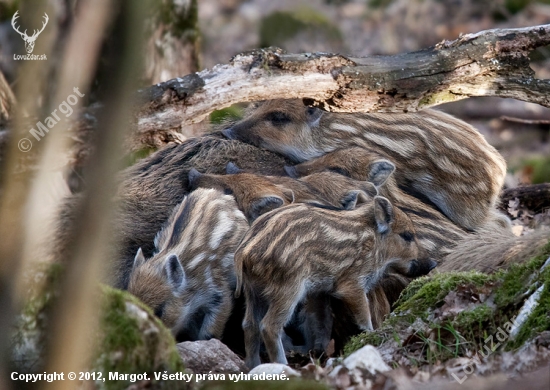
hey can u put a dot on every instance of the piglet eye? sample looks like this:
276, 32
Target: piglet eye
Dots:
159, 310
278, 118
407, 236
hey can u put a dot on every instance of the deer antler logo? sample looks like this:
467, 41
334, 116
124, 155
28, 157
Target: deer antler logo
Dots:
29, 41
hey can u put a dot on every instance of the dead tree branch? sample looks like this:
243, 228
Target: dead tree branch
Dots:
488, 63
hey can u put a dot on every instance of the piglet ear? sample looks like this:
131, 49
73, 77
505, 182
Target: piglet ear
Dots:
354, 198
193, 176
288, 194
139, 259
313, 116
232, 169
175, 272
263, 205
383, 214
380, 171
291, 171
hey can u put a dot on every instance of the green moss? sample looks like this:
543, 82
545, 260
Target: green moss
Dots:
281, 26
426, 335
541, 171
517, 280
426, 292
134, 157
539, 320
234, 112
131, 344
362, 339
537, 167
476, 317
438, 98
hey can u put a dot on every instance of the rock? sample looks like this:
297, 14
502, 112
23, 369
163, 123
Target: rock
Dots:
359, 368
367, 358
206, 356
274, 368
133, 341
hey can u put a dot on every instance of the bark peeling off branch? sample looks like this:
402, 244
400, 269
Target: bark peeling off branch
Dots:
488, 63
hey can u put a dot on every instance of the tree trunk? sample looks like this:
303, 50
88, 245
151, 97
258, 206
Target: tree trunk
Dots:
489, 63
173, 42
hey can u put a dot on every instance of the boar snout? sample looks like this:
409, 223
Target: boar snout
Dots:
420, 267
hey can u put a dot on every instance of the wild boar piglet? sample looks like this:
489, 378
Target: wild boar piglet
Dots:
190, 281
441, 157
303, 250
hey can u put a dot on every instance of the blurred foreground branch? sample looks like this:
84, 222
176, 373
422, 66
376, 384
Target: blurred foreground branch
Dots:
488, 63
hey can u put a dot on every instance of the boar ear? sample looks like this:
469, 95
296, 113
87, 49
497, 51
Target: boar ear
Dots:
383, 214
289, 194
291, 171
353, 198
139, 259
175, 272
313, 115
263, 205
370, 189
232, 169
379, 171
193, 176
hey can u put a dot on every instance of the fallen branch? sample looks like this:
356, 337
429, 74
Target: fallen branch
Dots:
488, 63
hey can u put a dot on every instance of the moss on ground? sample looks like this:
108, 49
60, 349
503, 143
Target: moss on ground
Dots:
427, 292
133, 341
438, 98
233, 112
442, 326
130, 339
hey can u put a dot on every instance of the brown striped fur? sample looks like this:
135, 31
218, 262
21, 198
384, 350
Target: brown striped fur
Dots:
150, 189
189, 282
302, 250
441, 157
492, 250
257, 194
254, 194
326, 188
435, 232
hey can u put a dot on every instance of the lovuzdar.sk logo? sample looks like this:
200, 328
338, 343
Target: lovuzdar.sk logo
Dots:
29, 40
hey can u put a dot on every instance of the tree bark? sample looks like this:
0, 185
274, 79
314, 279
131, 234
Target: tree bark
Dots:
173, 41
488, 63
534, 197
